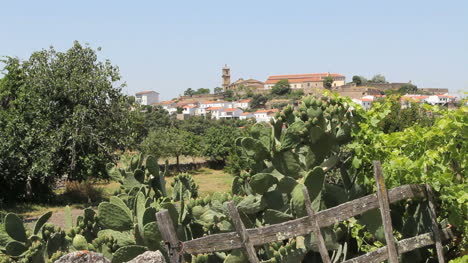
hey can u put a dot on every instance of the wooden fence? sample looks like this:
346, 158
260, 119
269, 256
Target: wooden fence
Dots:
248, 238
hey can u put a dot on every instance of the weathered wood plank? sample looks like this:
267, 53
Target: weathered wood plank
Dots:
300, 226
435, 225
404, 246
169, 235
242, 232
384, 207
315, 228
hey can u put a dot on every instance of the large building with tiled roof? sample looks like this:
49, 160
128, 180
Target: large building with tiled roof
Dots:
307, 82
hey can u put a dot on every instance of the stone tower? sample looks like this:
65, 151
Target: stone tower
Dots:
226, 77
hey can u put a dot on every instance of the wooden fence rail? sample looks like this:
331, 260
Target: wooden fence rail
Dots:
248, 238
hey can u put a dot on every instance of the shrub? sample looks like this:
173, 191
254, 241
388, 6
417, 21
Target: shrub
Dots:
82, 192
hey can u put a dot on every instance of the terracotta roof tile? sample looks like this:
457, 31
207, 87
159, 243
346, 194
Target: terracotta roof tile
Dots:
145, 92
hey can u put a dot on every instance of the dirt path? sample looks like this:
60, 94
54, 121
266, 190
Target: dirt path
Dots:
57, 218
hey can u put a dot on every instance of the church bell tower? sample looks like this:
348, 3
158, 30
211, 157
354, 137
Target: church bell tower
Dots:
226, 77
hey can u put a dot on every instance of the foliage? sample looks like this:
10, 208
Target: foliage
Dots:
408, 89
148, 118
281, 87
190, 92
328, 82
217, 141
217, 90
434, 154
398, 119
171, 142
82, 192
378, 78
357, 80
62, 113
258, 101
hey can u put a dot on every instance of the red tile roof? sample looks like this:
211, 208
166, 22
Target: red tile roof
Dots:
367, 99
244, 101
446, 96
246, 113
214, 108
166, 102
190, 106
230, 109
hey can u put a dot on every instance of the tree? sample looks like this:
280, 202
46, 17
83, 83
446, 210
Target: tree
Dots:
328, 82
258, 101
281, 87
189, 92
202, 91
171, 142
217, 142
218, 90
378, 79
408, 89
61, 113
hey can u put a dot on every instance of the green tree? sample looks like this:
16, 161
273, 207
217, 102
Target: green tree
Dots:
281, 87
408, 89
328, 82
202, 91
218, 141
357, 80
258, 101
62, 113
171, 142
218, 90
378, 78
189, 92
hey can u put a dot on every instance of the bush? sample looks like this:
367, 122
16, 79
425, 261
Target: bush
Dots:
82, 192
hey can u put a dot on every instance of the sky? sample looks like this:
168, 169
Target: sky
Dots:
169, 46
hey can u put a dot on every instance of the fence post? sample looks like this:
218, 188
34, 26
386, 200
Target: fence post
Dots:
315, 227
435, 225
169, 235
382, 195
242, 232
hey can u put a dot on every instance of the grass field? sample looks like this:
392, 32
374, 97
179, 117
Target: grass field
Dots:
209, 181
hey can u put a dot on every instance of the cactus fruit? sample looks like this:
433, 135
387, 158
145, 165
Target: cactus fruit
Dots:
80, 243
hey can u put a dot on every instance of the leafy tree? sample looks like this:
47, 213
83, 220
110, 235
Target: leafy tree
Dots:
202, 91
281, 87
171, 142
400, 118
357, 80
228, 94
328, 82
378, 79
218, 90
61, 113
148, 118
408, 89
258, 101
189, 92
218, 141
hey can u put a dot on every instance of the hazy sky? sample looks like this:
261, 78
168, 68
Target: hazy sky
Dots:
169, 46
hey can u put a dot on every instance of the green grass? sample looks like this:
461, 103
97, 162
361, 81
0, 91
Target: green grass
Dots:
209, 181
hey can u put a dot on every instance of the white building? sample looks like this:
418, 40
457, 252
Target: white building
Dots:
243, 104
264, 115
147, 97
440, 99
214, 111
246, 115
189, 109
366, 103
230, 113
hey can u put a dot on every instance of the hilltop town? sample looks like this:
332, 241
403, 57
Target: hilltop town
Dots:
260, 100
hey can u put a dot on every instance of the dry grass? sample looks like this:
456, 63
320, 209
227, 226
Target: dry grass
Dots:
209, 181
